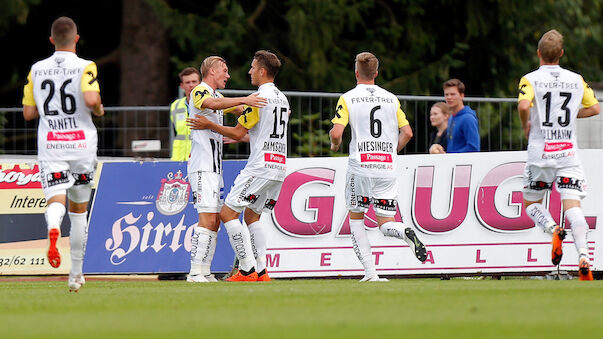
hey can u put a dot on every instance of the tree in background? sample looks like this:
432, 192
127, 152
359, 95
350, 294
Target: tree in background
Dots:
488, 44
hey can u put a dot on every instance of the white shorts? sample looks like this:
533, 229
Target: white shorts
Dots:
257, 194
361, 192
208, 191
537, 181
70, 177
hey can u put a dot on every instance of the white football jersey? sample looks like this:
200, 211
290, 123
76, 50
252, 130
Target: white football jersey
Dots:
556, 95
55, 86
267, 134
375, 117
206, 145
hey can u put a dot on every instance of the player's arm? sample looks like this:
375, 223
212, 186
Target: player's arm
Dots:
30, 110
222, 103
590, 103
404, 129
404, 136
236, 110
526, 95
201, 122
586, 112
336, 135
91, 90
341, 119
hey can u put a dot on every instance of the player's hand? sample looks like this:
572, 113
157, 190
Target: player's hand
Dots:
526, 130
255, 100
436, 149
198, 122
228, 140
334, 147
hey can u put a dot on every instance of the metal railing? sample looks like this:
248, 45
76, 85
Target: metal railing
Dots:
309, 126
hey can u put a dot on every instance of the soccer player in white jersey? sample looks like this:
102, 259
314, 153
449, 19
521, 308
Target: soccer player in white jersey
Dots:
205, 162
257, 187
549, 103
379, 131
62, 91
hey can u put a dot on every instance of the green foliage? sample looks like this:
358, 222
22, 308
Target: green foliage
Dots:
314, 137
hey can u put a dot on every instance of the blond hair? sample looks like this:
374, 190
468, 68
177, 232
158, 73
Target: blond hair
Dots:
551, 46
367, 65
63, 32
444, 107
209, 63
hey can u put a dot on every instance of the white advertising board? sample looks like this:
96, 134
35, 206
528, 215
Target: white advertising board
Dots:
466, 208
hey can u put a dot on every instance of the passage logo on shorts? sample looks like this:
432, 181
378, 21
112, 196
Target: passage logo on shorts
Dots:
173, 194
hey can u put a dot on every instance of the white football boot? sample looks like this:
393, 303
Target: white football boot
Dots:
196, 278
373, 278
75, 282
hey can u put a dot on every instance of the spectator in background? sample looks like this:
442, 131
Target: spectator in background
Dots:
463, 131
179, 112
438, 139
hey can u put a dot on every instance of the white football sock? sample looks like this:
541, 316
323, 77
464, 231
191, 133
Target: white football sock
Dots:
203, 248
258, 244
362, 246
54, 215
78, 236
393, 229
579, 227
241, 244
541, 217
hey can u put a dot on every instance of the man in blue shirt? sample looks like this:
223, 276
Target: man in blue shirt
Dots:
463, 131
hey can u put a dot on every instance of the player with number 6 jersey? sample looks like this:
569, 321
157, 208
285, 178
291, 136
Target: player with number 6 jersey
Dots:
62, 91
379, 131
549, 104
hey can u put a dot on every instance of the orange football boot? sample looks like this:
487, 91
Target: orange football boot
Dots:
54, 257
240, 277
263, 276
557, 251
584, 271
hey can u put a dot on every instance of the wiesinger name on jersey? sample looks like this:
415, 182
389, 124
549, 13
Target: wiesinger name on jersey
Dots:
206, 145
55, 86
267, 134
375, 117
556, 95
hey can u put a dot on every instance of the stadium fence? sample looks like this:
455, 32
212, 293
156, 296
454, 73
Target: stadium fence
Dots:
309, 127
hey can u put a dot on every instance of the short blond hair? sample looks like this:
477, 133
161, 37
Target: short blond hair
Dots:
209, 63
63, 31
443, 107
367, 65
551, 46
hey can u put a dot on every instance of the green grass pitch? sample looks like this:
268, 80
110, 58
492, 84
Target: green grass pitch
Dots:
426, 308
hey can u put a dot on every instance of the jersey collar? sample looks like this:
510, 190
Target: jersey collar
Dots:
268, 84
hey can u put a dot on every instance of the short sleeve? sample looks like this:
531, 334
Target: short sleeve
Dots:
28, 97
200, 93
402, 121
90, 79
342, 115
526, 91
249, 117
589, 98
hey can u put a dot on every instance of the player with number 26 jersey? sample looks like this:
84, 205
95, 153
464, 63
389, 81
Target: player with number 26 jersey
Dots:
56, 86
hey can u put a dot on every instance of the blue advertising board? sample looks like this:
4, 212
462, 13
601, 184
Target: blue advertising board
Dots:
143, 217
